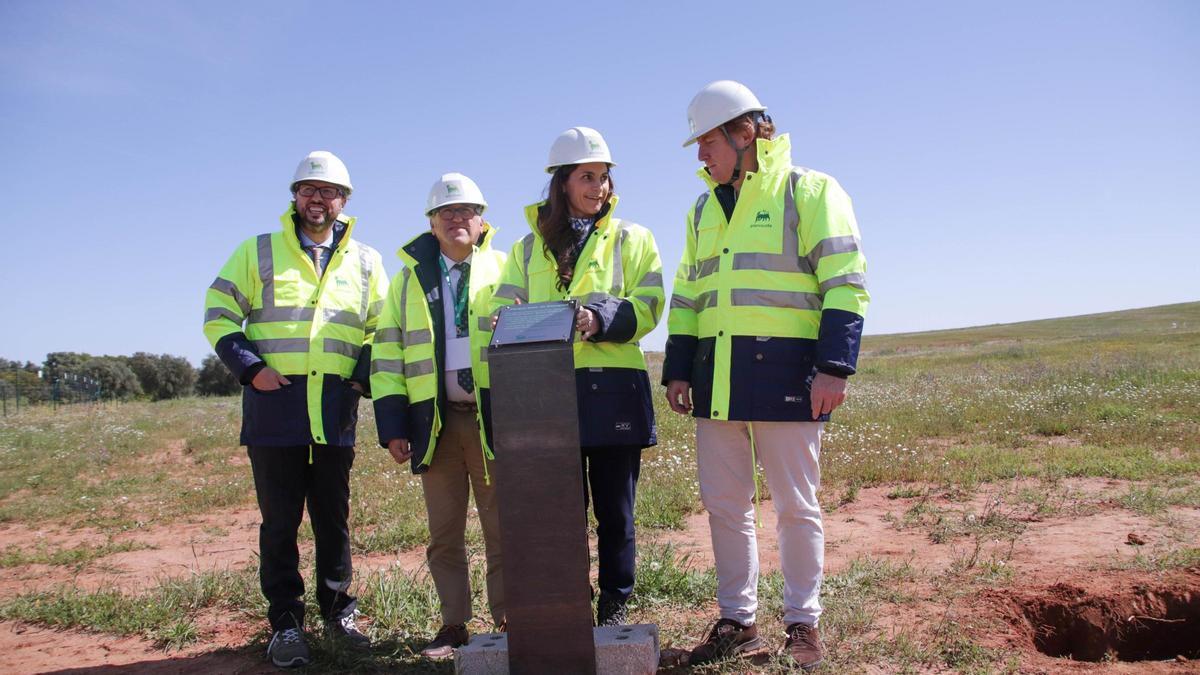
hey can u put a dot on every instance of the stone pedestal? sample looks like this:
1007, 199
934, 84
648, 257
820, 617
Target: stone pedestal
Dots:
620, 650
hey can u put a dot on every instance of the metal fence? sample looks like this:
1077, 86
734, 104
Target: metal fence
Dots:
20, 388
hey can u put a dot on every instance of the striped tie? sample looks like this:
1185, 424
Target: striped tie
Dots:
318, 257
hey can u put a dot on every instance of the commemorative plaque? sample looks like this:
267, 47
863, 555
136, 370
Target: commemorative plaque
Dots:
539, 484
549, 322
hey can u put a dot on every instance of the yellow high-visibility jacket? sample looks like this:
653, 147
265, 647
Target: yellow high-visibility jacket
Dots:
268, 307
768, 295
407, 372
619, 277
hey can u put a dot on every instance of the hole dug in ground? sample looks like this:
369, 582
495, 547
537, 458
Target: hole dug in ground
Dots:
1138, 624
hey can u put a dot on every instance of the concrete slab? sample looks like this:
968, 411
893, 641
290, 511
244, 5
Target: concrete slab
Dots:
620, 650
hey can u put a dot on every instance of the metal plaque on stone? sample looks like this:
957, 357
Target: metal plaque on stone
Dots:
539, 484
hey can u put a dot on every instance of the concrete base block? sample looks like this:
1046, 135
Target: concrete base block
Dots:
620, 650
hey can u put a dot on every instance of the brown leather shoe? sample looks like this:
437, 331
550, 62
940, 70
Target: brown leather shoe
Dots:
449, 637
727, 638
804, 645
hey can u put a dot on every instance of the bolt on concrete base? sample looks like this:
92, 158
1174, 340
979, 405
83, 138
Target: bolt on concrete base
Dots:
620, 650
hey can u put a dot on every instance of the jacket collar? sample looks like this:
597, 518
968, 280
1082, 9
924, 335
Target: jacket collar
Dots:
424, 249
773, 156
531, 214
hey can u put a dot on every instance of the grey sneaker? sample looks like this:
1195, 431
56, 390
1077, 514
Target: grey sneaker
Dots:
288, 648
346, 630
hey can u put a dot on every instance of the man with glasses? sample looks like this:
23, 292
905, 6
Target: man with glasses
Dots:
431, 397
292, 314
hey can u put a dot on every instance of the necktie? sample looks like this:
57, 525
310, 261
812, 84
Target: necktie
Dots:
318, 258
465, 379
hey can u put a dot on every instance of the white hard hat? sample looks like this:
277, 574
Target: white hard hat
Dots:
717, 103
324, 166
453, 188
578, 145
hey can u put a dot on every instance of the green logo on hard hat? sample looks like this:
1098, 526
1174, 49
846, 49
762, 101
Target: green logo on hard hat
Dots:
316, 166
594, 146
762, 219
451, 189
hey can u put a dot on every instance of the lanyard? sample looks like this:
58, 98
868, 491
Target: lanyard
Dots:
459, 298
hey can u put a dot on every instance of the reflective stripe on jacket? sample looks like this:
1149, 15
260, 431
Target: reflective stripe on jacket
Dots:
268, 307
765, 299
407, 372
619, 277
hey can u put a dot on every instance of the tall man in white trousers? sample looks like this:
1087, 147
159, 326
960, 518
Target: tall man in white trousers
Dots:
765, 323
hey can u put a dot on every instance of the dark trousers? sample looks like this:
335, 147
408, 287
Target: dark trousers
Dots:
284, 480
610, 474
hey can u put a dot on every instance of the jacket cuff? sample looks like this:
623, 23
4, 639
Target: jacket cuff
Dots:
681, 352
618, 322
838, 342
391, 418
362, 371
239, 356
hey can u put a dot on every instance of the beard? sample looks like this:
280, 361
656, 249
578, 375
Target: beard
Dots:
317, 223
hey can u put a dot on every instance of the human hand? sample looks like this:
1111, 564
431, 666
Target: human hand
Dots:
828, 392
355, 386
400, 450
496, 316
679, 396
269, 379
586, 323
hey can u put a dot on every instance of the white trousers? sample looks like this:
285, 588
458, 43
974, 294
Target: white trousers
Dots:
788, 453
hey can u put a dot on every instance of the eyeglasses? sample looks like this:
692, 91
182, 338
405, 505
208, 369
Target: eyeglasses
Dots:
326, 192
453, 212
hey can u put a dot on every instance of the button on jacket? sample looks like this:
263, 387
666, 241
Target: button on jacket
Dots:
619, 276
766, 298
408, 360
269, 307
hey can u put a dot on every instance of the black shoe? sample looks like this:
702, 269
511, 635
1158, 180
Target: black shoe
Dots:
346, 630
610, 611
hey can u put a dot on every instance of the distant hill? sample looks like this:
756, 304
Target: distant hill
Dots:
1179, 323
1131, 324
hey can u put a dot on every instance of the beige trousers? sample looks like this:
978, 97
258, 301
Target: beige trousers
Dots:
789, 454
458, 469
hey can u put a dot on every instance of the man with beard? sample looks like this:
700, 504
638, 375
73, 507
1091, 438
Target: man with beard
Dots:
292, 314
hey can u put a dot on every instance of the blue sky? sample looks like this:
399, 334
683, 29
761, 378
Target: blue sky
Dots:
1008, 161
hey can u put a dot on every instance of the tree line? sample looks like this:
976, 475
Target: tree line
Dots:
143, 375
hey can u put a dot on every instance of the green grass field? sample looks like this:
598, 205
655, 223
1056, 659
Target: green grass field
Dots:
1112, 395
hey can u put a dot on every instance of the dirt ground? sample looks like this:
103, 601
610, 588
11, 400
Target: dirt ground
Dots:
1068, 593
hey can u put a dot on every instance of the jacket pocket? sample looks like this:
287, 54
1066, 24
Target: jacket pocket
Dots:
277, 416
347, 408
781, 372
615, 408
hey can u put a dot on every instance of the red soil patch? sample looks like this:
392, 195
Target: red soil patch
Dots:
1058, 561
1137, 619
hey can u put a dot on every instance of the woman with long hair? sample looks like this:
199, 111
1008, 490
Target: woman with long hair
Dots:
578, 249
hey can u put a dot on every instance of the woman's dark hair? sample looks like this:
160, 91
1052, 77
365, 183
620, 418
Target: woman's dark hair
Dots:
553, 221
